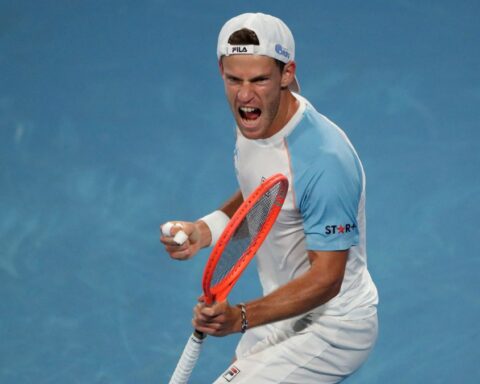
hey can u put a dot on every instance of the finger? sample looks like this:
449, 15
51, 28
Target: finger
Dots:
200, 315
197, 310
177, 251
166, 228
181, 255
169, 242
207, 323
175, 227
170, 228
215, 309
201, 320
180, 237
215, 318
175, 230
203, 328
173, 233
209, 311
213, 329
183, 230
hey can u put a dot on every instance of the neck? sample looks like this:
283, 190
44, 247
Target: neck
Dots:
287, 108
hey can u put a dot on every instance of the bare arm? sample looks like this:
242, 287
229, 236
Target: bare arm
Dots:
232, 204
317, 286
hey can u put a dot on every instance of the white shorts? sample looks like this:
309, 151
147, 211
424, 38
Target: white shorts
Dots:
317, 349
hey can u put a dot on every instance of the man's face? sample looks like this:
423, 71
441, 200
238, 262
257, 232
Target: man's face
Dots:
253, 85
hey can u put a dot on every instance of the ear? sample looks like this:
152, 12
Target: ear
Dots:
288, 74
220, 66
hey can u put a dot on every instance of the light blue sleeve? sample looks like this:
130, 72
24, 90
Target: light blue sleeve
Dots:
327, 182
328, 194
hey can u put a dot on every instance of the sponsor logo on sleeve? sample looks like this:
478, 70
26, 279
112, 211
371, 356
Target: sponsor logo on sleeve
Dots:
339, 229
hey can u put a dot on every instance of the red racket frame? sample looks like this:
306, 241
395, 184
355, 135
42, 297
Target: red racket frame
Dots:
221, 290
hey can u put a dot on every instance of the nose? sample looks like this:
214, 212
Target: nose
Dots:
245, 92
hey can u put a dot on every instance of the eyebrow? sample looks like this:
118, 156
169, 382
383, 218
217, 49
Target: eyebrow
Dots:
252, 80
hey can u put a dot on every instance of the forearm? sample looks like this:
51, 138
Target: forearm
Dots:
232, 204
297, 297
317, 286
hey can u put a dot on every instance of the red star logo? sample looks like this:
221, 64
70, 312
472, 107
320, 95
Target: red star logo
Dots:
341, 229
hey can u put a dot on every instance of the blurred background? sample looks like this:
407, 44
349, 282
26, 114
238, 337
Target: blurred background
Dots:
113, 120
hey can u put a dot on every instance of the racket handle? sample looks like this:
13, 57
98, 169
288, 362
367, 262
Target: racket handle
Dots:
188, 359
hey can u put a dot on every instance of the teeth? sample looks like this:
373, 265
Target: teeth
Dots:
247, 109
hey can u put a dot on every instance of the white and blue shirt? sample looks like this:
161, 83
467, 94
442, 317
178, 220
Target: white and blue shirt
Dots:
324, 209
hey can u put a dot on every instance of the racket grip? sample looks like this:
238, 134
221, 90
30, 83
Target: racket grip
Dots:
188, 359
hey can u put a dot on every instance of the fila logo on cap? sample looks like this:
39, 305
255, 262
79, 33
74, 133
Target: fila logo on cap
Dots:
240, 50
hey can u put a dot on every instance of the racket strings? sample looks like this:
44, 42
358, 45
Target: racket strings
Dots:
245, 234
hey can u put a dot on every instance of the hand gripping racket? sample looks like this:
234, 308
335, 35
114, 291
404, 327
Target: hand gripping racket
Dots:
238, 243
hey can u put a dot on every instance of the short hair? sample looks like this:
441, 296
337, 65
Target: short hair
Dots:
243, 36
246, 36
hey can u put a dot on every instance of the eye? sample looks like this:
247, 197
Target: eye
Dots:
232, 80
261, 80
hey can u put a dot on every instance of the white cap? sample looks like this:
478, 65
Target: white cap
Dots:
275, 38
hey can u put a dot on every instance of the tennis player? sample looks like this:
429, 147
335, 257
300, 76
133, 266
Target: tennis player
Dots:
317, 320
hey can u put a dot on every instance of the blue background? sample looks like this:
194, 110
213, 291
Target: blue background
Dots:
113, 120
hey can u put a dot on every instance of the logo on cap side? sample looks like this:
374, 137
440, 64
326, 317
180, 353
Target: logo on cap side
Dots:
282, 51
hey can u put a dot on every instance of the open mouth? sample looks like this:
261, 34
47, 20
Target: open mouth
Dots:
249, 113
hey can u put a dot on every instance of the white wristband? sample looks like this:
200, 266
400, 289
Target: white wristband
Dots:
216, 222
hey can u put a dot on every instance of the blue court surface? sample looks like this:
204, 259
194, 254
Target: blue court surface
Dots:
113, 120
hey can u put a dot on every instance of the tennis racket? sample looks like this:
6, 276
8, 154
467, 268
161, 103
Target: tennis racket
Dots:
236, 246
